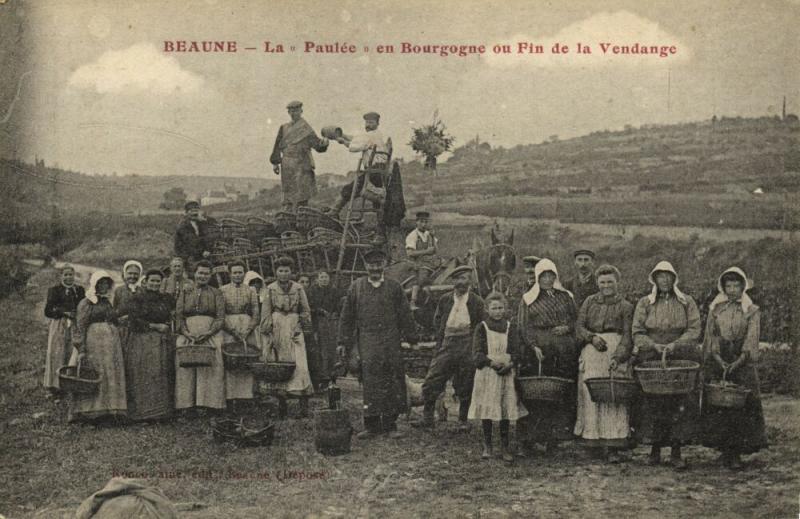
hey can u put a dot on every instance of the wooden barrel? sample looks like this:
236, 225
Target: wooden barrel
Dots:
332, 431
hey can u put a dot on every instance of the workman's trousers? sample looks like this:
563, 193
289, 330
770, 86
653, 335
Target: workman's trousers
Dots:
381, 423
452, 360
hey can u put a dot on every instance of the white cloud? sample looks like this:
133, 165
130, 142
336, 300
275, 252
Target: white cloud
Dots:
620, 28
139, 68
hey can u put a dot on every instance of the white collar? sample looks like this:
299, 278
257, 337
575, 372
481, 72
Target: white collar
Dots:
376, 284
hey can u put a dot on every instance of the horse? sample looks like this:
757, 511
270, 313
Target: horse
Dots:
493, 268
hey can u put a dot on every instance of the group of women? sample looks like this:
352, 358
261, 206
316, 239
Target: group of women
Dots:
127, 338
609, 336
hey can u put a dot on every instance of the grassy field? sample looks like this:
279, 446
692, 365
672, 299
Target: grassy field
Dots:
50, 466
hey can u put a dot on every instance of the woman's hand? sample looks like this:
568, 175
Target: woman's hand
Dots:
69, 315
599, 343
497, 366
506, 369
561, 330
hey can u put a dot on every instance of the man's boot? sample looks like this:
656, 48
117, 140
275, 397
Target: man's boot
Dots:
414, 297
427, 416
677, 460
463, 412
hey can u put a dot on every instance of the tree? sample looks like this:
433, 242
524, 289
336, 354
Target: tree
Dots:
431, 141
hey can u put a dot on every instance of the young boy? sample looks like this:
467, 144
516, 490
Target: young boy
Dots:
421, 248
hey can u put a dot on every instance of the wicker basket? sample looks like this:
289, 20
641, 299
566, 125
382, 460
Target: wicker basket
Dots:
259, 228
550, 389
275, 370
325, 237
726, 394
611, 390
231, 228
237, 355
285, 221
245, 431
673, 377
78, 380
292, 239
194, 355
309, 218
271, 244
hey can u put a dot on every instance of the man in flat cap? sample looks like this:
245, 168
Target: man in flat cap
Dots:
191, 235
375, 317
291, 158
457, 314
421, 248
375, 150
584, 283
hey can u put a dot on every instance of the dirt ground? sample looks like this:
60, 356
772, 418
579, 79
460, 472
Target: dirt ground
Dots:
49, 467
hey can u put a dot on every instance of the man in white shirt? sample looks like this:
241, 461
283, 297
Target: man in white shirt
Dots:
457, 315
375, 151
421, 248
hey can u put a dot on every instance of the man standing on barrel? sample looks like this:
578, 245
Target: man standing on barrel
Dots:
457, 315
375, 316
291, 158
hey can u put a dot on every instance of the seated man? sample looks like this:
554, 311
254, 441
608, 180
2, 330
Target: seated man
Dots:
421, 248
375, 151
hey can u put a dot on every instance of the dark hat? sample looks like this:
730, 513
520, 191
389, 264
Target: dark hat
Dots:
460, 270
375, 256
294, 104
191, 204
372, 116
533, 260
423, 214
587, 252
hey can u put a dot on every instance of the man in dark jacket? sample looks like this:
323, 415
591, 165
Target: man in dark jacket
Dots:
584, 283
457, 315
191, 242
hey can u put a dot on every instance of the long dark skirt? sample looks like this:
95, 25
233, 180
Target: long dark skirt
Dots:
740, 431
148, 366
327, 327
551, 421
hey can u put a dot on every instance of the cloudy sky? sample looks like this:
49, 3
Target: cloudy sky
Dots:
103, 97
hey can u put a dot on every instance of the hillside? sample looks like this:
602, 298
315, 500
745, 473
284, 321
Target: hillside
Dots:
34, 192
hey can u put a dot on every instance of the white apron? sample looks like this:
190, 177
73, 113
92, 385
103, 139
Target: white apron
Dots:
599, 421
200, 387
287, 339
494, 396
238, 384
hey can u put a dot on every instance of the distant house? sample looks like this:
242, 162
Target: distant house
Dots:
217, 197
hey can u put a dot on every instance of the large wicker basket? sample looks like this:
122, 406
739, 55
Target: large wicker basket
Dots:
232, 228
612, 390
309, 218
194, 355
237, 355
259, 228
726, 394
667, 377
274, 371
245, 431
78, 379
285, 221
550, 389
